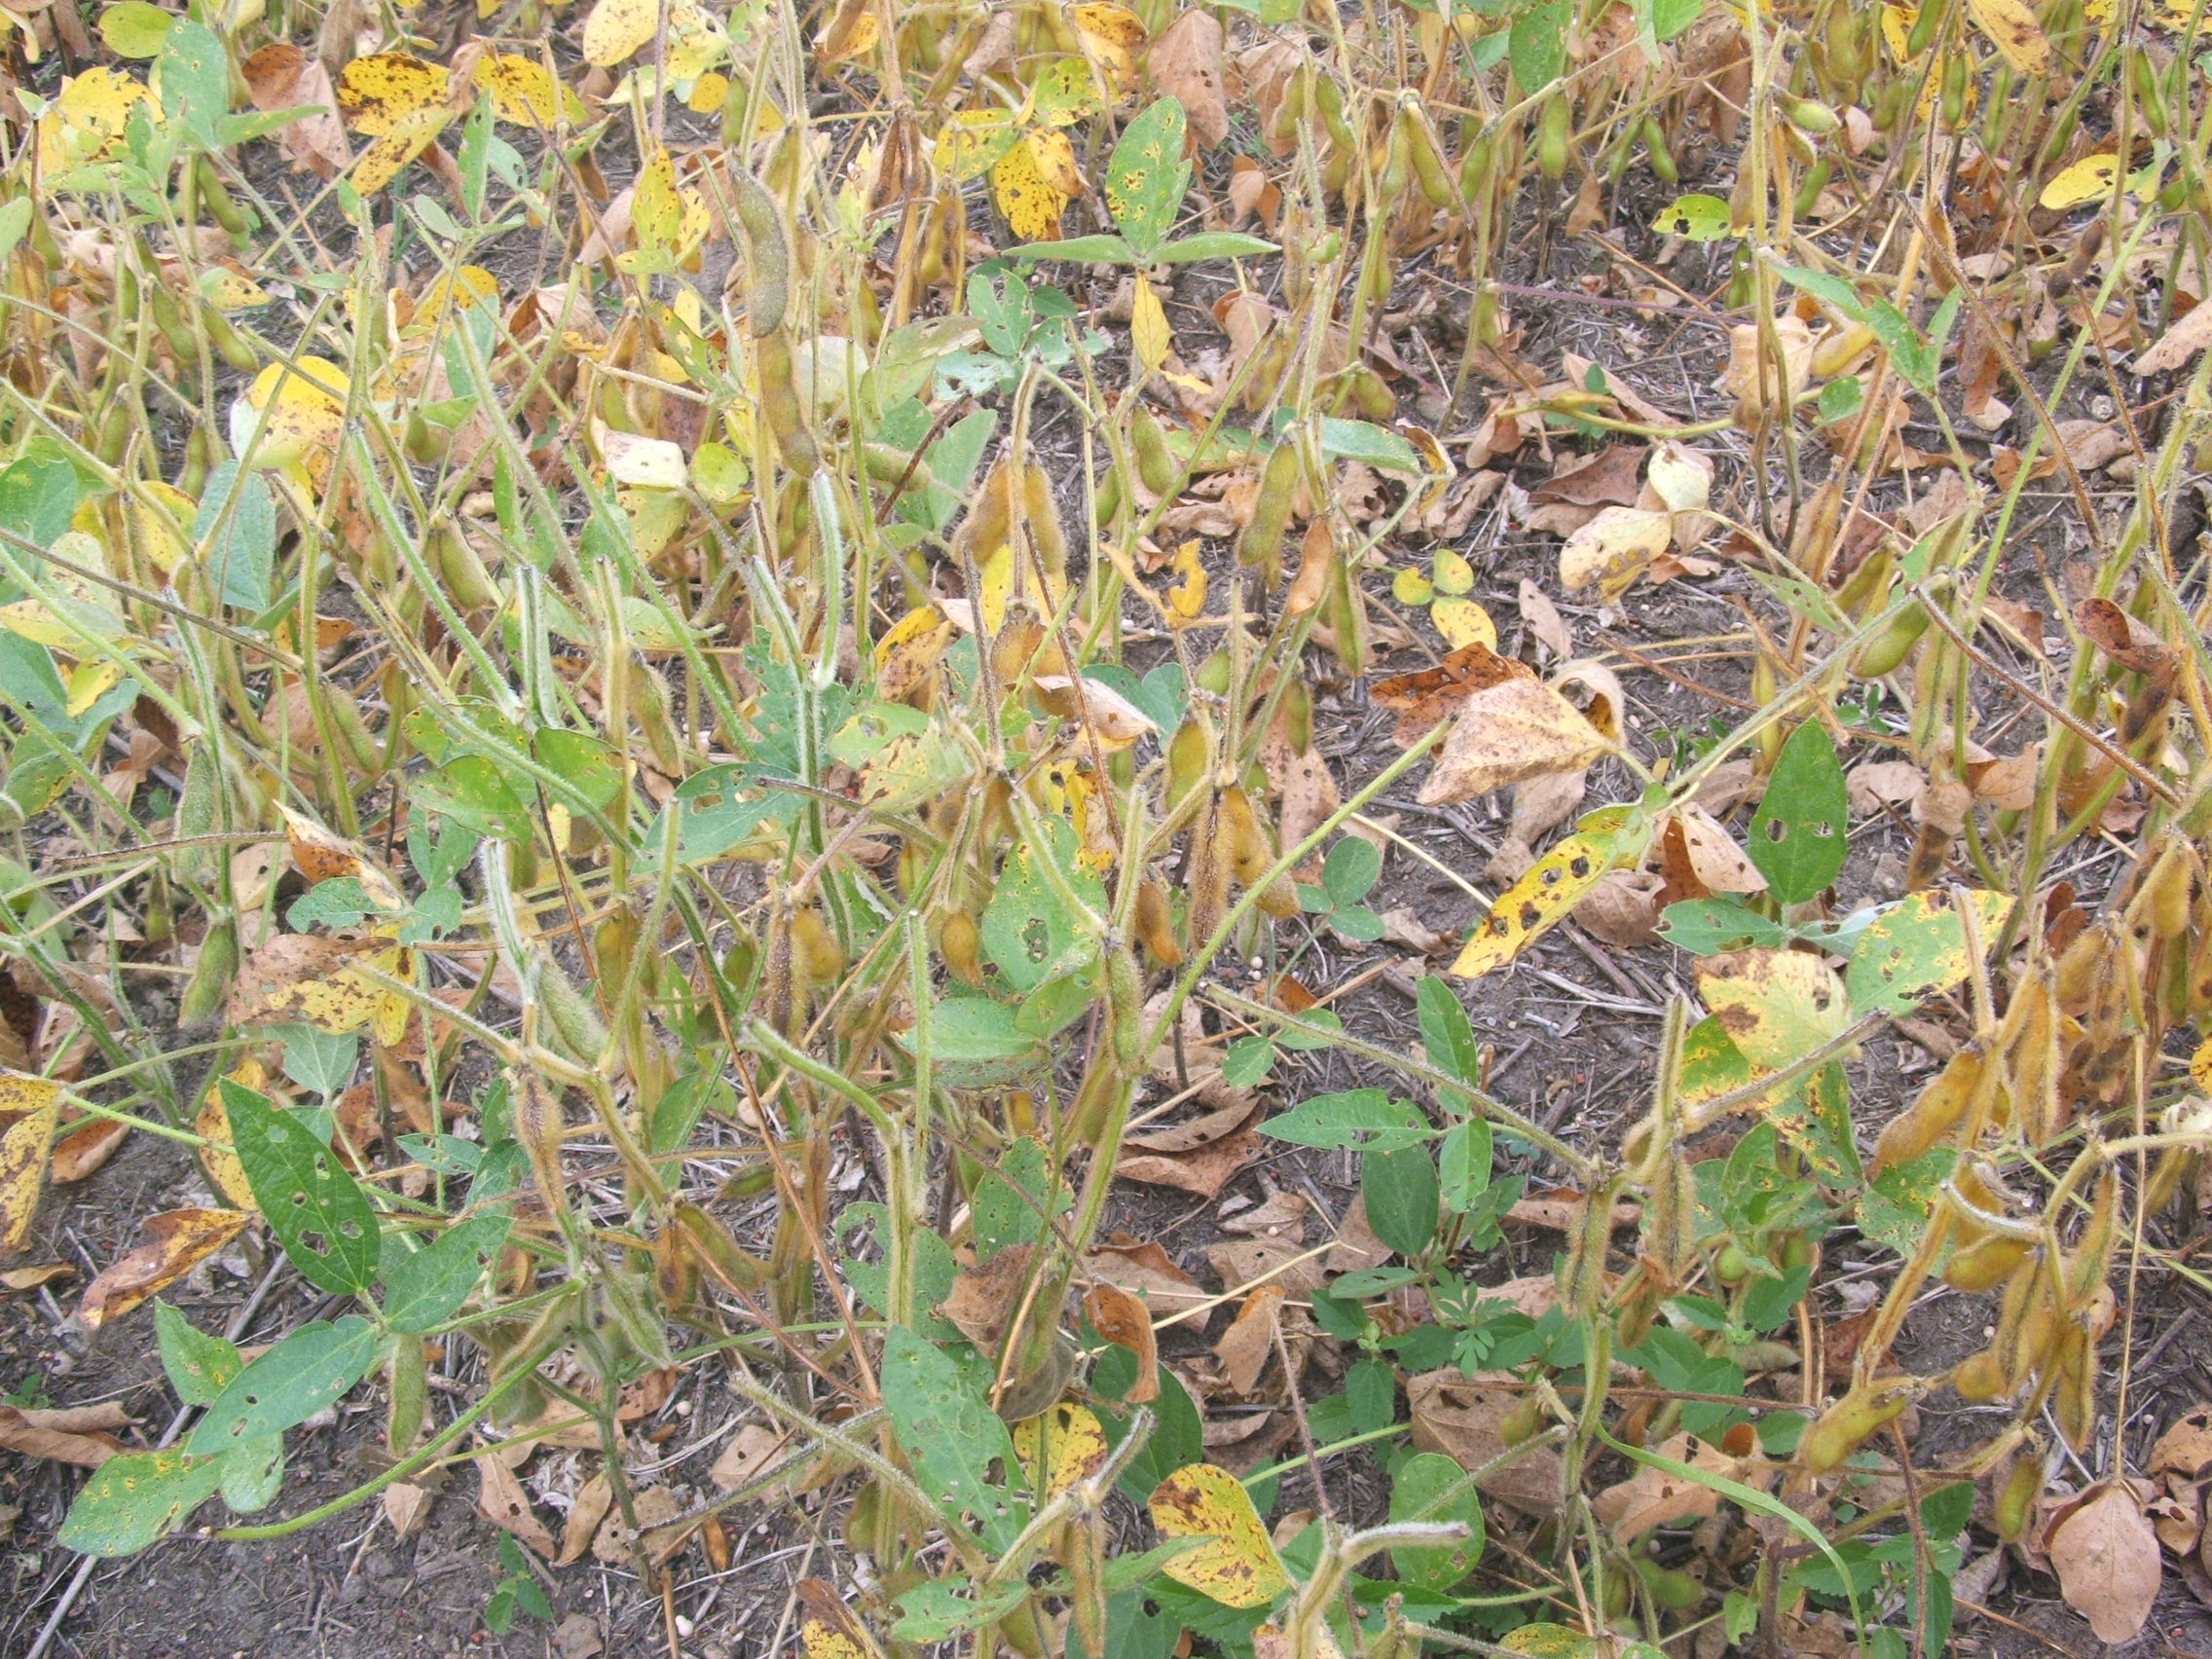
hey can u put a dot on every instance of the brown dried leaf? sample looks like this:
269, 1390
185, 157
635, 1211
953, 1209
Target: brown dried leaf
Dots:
1246, 1346
750, 1450
1653, 1497
1541, 805
1186, 64
1142, 1267
174, 1242
982, 1298
1518, 729
1611, 478
1250, 1261
85, 1148
72, 1435
593, 1500
1204, 1170
500, 1501
1883, 783
1623, 909
1356, 1246
2185, 1449
406, 1507
1460, 1416
1123, 1320
2105, 1553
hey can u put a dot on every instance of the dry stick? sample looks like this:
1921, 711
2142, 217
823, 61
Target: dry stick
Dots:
231, 1333
2079, 728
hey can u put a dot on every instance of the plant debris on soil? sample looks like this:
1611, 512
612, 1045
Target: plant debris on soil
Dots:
1272, 832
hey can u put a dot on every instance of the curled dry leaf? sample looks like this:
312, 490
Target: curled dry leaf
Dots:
1623, 908
502, 1501
1613, 549
594, 1500
2179, 344
173, 1243
1142, 1267
1246, 1346
1200, 1166
1428, 695
406, 1507
2105, 1552
1698, 858
1121, 1319
76, 1434
983, 1299
1883, 783
1657, 1497
1541, 617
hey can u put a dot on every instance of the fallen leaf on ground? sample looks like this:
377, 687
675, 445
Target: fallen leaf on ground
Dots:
2105, 1553
593, 1500
1142, 1265
175, 1242
1247, 1261
1403, 928
1516, 729
1623, 909
1356, 1246
406, 1507
1428, 695
1246, 1346
1460, 1416
72, 1435
1560, 1209
500, 1501
1656, 1497
1205, 1168
1186, 64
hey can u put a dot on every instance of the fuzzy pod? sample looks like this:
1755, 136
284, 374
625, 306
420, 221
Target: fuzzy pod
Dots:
1661, 156
537, 1124
2015, 1504
1985, 1264
960, 944
1582, 1271
1157, 465
1041, 515
1552, 136
1430, 172
779, 405
407, 1379
1261, 544
1852, 1420
1886, 651
767, 254
211, 974
1939, 1108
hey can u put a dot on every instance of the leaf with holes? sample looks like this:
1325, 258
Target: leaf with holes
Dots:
954, 1440
426, 1287
133, 1501
315, 1366
1776, 1005
1917, 949
1430, 1487
1235, 1563
1028, 932
1147, 177
1547, 890
318, 1213
1361, 1118
1796, 839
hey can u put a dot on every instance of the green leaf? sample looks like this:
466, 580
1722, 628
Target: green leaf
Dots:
1841, 399
320, 1216
1247, 1062
1350, 869
235, 531
200, 1366
1138, 1627
1894, 1210
1028, 932
1445, 1035
1796, 840
480, 795
1147, 176
589, 766
1178, 1437
975, 1042
318, 1059
1402, 1197
428, 1287
194, 74
1369, 444
342, 901
1431, 1487
1695, 217
1537, 46
253, 1471
134, 28
1672, 17
315, 1366
1213, 245
133, 1500
1463, 1164
1306, 1040
951, 1436
1011, 1202
1362, 1117
1705, 926
1371, 1393
1916, 949
943, 1607
1078, 250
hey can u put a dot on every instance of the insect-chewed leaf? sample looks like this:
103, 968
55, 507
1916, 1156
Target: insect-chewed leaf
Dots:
1060, 1447
1031, 206
616, 28
524, 95
29, 1107
1526, 912
1796, 838
826, 1628
1236, 1566
1917, 949
318, 1213
974, 141
175, 1242
2012, 28
378, 94
1695, 217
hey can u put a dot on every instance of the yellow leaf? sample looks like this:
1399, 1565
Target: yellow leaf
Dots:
2012, 28
1031, 206
1776, 1005
320, 856
175, 1242
305, 414
974, 141
709, 92
616, 28
906, 656
1060, 1447
471, 285
159, 533
1412, 586
228, 290
88, 683
1454, 574
1462, 623
382, 92
29, 1107
1148, 327
2090, 179
524, 95
1515, 729
1526, 912
1112, 35
1186, 599
84, 122
1055, 153
308, 976
656, 210
218, 1156
826, 1628
1064, 93
996, 572
696, 43
1613, 549
2200, 1066
1236, 1566
382, 161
